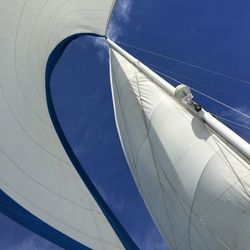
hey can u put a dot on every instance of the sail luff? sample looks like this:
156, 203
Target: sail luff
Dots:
159, 80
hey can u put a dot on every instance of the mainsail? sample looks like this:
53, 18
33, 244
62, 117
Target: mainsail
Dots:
39, 186
193, 181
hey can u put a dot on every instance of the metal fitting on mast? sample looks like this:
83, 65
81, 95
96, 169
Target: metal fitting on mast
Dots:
184, 95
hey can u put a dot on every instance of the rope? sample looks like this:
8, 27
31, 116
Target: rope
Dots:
186, 63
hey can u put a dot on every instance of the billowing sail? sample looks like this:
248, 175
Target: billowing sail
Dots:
39, 186
196, 186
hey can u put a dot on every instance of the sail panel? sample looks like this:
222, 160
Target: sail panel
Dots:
38, 180
195, 186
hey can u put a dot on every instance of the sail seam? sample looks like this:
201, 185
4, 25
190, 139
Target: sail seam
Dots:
229, 164
130, 146
142, 110
50, 215
25, 131
16, 69
43, 186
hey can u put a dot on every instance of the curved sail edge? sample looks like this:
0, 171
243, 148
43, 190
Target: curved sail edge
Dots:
117, 227
38, 181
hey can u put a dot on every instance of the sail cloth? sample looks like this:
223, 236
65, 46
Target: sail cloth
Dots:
39, 186
194, 185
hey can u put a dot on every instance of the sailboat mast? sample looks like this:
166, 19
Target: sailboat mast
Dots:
226, 133
160, 81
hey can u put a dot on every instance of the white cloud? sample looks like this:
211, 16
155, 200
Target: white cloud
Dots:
238, 118
153, 240
123, 10
114, 31
30, 244
121, 15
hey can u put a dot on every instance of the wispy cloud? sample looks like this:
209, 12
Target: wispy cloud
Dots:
121, 15
238, 118
101, 46
153, 241
30, 244
123, 10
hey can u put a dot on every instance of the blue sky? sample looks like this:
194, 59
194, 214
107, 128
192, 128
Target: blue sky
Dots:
212, 34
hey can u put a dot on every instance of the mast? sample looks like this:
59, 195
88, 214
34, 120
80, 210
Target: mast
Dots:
229, 136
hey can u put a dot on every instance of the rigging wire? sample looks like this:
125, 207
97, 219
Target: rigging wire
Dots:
198, 82
223, 104
186, 63
232, 122
207, 96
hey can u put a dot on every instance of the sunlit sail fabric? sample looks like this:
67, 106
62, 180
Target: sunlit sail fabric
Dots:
39, 187
195, 186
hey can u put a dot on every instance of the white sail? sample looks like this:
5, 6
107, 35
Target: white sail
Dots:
196, 186
39, 186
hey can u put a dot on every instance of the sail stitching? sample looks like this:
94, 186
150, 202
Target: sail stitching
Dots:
43, 186
161, 183
142, 110
29, 45
228, 163
29, 136
150, 127
55, 218
92, 211
226, 147
65, 15
192, 204
44, 28
114, 86
160, 168
48, 214
239, 181
179, 198
228, 188
177, 193
16, 70
125, 123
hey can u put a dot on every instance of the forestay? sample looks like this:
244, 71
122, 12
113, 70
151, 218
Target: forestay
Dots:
194, 185
40, 188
